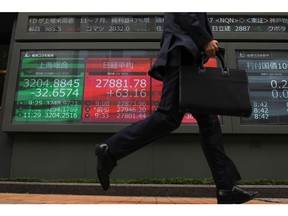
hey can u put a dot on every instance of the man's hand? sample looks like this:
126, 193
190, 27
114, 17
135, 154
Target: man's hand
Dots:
210, 48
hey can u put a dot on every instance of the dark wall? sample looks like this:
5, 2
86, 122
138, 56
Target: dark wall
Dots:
55, 156
6, 25
6, 148
6, 141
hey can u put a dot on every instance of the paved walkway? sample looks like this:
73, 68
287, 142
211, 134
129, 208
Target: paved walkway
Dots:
9, 198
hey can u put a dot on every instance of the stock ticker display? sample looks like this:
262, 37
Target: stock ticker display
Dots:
105, 86
268, 81
112, 86
152, 23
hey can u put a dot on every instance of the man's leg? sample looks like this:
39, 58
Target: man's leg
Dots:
164, 120
224, 171
222, 167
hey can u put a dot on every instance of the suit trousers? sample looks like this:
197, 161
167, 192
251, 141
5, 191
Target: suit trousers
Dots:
166, 119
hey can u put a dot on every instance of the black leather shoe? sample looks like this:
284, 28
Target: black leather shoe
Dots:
235, 196
105, 165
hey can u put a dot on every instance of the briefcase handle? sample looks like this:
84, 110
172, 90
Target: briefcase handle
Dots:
220, 55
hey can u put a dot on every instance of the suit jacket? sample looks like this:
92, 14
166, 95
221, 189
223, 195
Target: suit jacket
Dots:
188, 30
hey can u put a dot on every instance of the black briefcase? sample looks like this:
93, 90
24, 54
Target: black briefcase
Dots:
219, 91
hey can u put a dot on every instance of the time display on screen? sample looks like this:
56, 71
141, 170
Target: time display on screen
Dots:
268, 81
86, 86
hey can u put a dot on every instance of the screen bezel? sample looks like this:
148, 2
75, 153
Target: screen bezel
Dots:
255, 129
8, 126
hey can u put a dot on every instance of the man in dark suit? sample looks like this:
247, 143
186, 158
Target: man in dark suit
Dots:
185, 36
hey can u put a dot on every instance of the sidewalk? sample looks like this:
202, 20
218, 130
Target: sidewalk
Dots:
135, 190
75, 193
15, 198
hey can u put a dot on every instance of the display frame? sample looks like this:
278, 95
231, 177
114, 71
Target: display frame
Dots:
239, 128
11, 83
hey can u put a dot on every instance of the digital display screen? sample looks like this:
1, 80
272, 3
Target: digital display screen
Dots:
152, 23
116, 89
268, 81
50, 87
87, 86
249, 23
106, 23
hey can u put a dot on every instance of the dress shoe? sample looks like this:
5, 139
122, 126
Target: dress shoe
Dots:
234, 196
105, 165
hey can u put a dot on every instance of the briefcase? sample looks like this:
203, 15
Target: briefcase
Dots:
219, 91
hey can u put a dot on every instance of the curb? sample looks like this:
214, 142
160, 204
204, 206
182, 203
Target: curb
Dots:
163, 190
